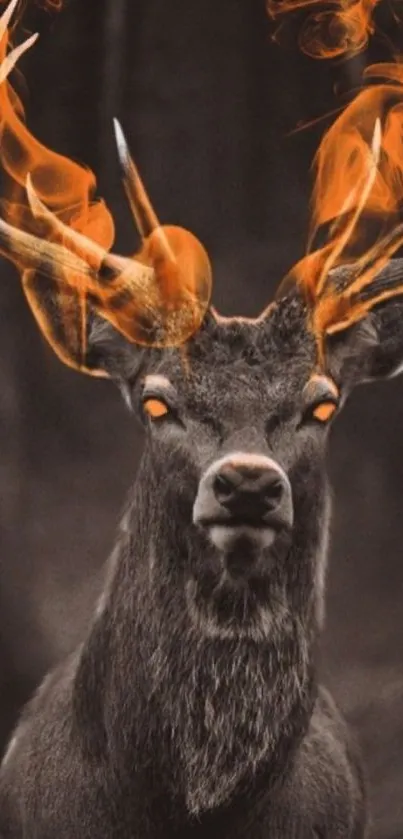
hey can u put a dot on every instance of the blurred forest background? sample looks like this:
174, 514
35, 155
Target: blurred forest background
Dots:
208, 102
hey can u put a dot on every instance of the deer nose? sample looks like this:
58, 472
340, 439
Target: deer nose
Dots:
244, 495
249, 491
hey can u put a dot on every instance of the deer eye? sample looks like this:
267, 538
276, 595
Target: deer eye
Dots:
323, 411
155, 407
321, 397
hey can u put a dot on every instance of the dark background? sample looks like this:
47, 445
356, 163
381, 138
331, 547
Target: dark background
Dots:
208, 102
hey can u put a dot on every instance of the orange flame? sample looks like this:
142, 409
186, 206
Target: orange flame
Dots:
59, 237
357, 202
343, 29
65, 186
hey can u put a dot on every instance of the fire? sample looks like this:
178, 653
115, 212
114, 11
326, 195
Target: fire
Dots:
343, 29
358, 187
63, 185
356, 203
59, 235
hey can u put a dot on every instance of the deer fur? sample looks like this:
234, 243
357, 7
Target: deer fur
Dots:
192, 707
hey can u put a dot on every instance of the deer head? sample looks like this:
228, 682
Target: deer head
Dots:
236, 410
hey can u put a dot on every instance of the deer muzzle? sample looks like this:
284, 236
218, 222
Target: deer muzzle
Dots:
244, 498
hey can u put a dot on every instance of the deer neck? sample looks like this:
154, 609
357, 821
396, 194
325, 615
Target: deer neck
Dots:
208, 712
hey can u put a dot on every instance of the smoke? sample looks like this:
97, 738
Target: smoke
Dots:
50, 5
44, 5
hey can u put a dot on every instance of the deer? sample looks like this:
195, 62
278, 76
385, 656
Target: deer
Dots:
192, 706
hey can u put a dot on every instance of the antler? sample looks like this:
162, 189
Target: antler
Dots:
143, 213
183, 265
158, 298
338, 295
128, 292
166, 290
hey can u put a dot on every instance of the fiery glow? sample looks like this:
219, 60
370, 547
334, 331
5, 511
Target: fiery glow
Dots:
357, 202
63, 185
59, 237
343, 29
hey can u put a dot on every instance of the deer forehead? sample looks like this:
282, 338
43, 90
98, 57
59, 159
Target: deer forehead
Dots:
237, 390
271, 357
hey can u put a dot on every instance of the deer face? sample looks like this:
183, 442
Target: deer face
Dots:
235, 441
236, 429
241, 414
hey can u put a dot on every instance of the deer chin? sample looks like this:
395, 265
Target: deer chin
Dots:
233, 608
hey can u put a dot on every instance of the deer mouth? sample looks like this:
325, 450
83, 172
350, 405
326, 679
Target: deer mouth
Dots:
246, 535
245, 549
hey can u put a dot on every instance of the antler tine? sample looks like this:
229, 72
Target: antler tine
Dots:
47, 257
93, 253
143, 213
6, 17
11, 59
361, 198
78, 256
110, 267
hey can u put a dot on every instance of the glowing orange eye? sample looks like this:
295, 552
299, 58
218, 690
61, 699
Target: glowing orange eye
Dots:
324, 411
155, 408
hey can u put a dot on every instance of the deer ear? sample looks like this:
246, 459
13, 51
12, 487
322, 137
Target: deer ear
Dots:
109, 353
79, 336
370, 349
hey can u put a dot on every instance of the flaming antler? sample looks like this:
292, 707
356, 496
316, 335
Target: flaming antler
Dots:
157, 299
358, 197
